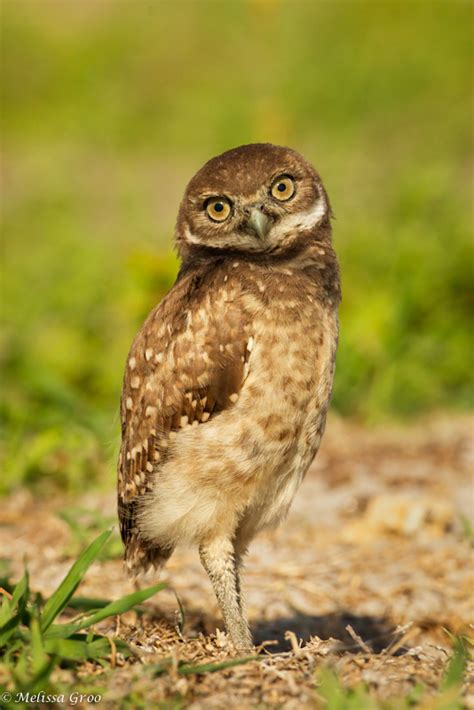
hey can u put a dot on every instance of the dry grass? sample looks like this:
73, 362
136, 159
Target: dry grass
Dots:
371, 568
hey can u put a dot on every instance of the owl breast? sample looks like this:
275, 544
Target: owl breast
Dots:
238, 473
288, 394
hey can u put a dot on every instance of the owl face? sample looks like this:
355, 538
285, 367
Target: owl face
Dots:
255, 198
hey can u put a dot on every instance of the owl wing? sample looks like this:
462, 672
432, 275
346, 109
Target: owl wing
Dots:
187, 363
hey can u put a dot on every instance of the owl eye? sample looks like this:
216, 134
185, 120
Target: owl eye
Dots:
283, 188
218, 208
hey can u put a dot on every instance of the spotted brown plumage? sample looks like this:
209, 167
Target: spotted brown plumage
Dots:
228, 382
187, 363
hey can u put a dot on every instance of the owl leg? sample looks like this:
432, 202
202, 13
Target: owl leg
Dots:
242, 539
238, 565
240, 550
218, 559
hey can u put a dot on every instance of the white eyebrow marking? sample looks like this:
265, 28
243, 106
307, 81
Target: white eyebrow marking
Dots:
301, 220
190, 237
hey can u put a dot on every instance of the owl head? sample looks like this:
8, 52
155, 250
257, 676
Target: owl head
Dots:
258, 199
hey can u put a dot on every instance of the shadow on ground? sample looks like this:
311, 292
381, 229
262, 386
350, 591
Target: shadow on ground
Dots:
375, 633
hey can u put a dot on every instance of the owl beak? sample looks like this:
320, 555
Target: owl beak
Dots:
258, 222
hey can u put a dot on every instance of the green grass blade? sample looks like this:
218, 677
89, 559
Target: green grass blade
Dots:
457, 665
25, 682
187, 669
80, 649
66, 589
6, 611
86, 604
74, 650
121, 605
39, 658
12, 615
111, 609
21, 591
337, 697
9, 629
60, 631
329, 688
20, 671
159, 668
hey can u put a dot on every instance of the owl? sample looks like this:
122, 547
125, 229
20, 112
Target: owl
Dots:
228, 382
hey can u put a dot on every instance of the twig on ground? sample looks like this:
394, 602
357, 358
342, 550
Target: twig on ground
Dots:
295, 645
358, 639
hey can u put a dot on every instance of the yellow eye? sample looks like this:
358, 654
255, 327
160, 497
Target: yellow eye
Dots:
283, 188
218, 209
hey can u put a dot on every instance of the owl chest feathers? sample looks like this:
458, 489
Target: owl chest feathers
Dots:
240, 470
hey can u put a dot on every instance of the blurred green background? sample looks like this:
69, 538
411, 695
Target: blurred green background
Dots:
108, 108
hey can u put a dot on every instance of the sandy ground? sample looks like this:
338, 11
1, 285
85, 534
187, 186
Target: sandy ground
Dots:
370, 567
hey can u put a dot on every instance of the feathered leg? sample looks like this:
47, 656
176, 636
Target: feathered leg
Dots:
219, 561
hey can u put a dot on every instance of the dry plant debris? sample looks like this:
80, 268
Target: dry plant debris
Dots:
372, 567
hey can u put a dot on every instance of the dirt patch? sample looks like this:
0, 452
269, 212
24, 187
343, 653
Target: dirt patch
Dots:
371, 567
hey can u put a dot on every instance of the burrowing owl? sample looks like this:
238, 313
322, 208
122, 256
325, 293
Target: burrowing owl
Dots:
228, 382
